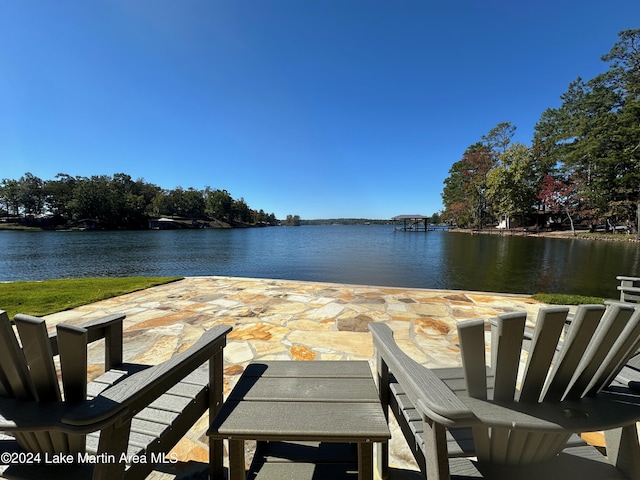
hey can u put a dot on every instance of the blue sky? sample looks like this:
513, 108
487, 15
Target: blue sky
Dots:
327, 108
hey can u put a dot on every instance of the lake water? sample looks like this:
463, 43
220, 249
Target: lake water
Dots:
366, 255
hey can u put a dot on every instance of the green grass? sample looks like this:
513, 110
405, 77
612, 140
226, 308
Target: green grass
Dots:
15, 226
563, 299
51, 296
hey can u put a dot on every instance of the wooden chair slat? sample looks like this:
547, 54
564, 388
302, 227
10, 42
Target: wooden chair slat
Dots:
609, 330
14, 372
622, 350
72, 346
37, 351
472, 347
498, 445
583, 326
482, 441
516, 447
549, 327
510, 329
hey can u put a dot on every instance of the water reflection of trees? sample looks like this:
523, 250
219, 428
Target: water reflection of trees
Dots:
534, 265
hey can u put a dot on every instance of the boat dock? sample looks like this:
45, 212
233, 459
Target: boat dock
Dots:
410, 223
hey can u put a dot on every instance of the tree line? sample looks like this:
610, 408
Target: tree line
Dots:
583, 164
118, 201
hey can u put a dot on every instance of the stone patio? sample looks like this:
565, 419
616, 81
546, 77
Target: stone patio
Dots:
290, 320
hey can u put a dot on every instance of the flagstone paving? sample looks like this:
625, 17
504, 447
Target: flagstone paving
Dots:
291, 320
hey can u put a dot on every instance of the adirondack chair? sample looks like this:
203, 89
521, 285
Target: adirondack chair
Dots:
137, 410
519, 426
629, 288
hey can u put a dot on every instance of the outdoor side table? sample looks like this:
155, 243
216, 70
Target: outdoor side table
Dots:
306, 417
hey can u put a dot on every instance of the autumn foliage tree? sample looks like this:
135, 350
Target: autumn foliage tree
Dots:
559, 196
592, 138
511, 188
464, 194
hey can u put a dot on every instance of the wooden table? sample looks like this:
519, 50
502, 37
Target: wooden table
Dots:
287, 404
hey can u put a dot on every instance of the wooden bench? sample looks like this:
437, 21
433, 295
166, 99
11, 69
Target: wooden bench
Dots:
311, 419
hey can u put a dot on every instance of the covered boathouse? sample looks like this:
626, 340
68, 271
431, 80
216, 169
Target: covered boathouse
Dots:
410, 223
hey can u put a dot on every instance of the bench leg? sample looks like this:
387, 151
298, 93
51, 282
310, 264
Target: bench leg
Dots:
216, 452
365, 461
383, 391
382, 457
236, 460
216, 387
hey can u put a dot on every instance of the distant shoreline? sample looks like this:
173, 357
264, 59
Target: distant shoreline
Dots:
514, 232
566, 234
160, 224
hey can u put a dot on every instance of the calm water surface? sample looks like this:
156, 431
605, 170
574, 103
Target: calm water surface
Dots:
368, 255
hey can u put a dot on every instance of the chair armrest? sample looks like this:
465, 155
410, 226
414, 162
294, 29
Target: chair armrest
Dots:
97, 329
430, 395
604, 411
627, 278
139, 390
109, 328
